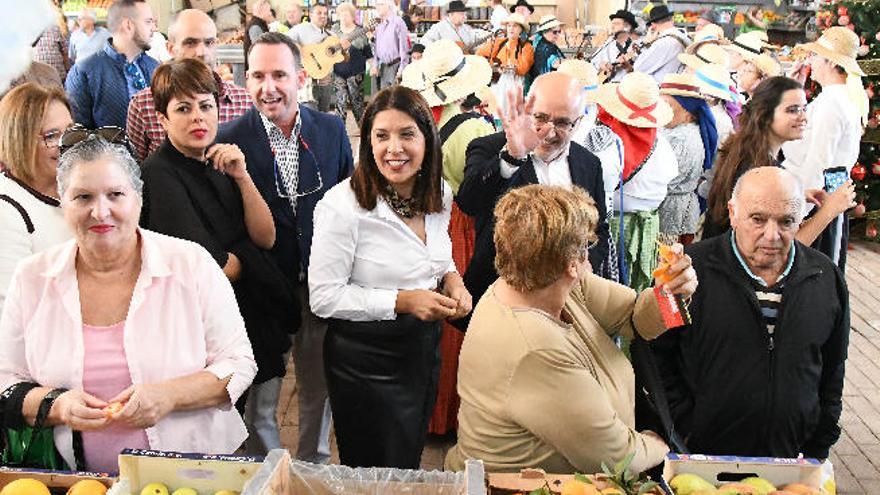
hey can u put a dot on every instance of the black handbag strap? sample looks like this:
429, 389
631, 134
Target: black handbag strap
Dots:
453, 123
645, 362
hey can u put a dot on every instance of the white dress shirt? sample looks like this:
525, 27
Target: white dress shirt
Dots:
360, 259
830, 140
554, 173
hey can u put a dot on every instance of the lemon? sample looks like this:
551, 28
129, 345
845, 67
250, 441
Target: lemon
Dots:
155, 489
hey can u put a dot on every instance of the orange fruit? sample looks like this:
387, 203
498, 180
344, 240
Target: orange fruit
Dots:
113, 409
25, 486
577, 487
87, 487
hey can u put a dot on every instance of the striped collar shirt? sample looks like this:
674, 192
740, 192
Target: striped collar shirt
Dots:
769, 297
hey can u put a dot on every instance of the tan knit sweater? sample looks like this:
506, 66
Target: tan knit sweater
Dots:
537, 392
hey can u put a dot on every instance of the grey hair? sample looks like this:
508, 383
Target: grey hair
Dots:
796, 188
94, 148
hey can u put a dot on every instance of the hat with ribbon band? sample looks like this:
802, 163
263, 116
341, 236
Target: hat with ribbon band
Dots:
635, 101
445, 74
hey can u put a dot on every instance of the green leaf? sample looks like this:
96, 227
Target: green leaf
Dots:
606, 470
624, 463
647, 486
582, 478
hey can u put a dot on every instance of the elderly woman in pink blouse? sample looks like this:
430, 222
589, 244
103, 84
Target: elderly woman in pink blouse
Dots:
122, 337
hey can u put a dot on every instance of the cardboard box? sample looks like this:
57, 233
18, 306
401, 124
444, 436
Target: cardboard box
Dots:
529, 480
729, 469
61, 480
280, 475
204, 473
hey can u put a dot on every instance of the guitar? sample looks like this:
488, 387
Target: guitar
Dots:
468, 49
623, 61
318, 59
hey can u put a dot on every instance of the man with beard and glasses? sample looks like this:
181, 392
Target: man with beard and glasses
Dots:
535, 148
101, 86
192, 34
294, 155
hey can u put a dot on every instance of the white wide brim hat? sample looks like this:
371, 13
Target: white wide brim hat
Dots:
445, 74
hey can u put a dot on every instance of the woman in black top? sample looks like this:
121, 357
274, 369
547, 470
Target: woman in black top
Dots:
202, 192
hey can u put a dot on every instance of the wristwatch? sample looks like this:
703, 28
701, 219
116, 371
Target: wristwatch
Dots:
513, 161
46, 406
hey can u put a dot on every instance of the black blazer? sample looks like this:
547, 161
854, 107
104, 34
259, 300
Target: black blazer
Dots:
324, 149
483, 186
190, 200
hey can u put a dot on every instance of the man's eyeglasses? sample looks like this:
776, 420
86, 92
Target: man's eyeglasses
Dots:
132, 70
561, 125
78, 134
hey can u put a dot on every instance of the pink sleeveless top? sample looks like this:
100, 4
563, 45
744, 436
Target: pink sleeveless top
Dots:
105, 374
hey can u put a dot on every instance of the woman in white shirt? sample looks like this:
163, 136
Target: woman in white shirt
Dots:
381, 270
32, 119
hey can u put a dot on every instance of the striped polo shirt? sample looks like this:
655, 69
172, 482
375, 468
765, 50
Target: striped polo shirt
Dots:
769, 297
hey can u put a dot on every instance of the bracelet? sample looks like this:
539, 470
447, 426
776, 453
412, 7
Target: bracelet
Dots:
46, 406
516, 162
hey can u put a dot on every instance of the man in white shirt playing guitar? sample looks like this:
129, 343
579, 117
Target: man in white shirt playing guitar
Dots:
455, 28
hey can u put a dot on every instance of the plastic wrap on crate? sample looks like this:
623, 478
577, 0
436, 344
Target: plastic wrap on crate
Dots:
303, 478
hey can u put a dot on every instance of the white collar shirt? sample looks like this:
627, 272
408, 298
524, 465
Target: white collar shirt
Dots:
831, 139
360, 259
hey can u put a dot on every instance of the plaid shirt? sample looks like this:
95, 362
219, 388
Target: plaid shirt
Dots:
51, 49
146, 133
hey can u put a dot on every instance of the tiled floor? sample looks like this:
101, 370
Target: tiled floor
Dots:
856, 456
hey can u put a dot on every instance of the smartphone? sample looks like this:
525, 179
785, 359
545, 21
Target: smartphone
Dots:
834, 178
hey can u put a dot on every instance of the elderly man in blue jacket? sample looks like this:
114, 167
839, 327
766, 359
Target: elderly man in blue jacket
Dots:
759, 371
101, 85
294, 155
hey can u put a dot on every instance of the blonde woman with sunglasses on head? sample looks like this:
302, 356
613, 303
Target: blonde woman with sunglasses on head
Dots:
32, 119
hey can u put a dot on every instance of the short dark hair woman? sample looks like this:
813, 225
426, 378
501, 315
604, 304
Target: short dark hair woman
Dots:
381, 270
202, 192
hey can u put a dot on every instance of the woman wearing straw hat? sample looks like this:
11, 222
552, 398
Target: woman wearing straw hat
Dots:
382, 272
833, 126
694, 139
755, 69
548, 55
456, 130
603, 143
511, 57
634, 110
710, 62
746, 46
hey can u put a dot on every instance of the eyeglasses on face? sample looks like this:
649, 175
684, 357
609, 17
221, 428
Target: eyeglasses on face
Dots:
796, 110
78, 134
561, 125
52, 139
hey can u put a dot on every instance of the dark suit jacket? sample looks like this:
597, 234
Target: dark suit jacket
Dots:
483, 186
190, 200
324, 153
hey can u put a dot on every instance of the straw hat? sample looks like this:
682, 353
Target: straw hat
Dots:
700, 54
445, 74
750, 44
840, 46
635, 101
715, 81
547, 23
517, 19
767, 65
584, 72
681, 85
709, 32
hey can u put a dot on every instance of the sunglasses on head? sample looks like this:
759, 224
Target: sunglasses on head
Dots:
78, 133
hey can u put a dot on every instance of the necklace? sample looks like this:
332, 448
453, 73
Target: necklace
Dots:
405, 207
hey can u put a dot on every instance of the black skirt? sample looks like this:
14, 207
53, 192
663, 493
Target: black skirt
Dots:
382, 381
